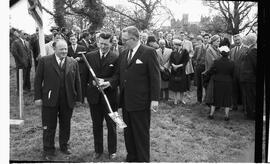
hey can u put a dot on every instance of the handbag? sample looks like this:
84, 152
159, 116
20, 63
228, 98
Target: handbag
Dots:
165, 74
189, 68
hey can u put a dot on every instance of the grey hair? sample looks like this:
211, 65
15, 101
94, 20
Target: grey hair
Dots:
251, 39
133, 31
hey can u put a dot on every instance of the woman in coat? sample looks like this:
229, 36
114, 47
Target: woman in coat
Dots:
222, 73
212, 53
163, 55
178, 81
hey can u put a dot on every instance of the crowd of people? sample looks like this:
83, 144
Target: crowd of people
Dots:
136, 70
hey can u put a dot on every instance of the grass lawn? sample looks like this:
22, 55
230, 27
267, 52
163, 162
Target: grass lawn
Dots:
177, 134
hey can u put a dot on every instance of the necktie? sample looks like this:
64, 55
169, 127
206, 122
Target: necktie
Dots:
129, 56
162, 51
61, 63
103, 57
24, 44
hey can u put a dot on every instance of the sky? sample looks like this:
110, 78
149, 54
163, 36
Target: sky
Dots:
19, 17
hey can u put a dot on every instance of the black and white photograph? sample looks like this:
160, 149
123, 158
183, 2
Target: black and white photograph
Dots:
175, 81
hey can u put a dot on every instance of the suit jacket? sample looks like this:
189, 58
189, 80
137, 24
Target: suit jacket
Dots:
164, 58
21, 53
47, 81
211, 55
237, 57
139, 80
118, 50
34, 42
87, 45
75, 54
222, 69
168, 44
103, 69
248, 67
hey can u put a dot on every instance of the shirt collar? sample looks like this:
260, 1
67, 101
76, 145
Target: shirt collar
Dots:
100, 53
22, 39
58, 59
134, 50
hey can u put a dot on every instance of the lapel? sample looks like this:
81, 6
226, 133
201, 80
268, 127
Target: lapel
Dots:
136, 55
97, 60
24, 45
107, 59
67, 65
55, 64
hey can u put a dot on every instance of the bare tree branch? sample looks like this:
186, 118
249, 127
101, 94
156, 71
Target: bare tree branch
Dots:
49, 12
119, 12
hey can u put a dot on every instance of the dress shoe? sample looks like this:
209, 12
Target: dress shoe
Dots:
112, 156
227, 119
66, 151
210, 117
97, 155
48, 156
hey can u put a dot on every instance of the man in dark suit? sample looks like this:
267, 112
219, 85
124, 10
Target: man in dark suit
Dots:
34, 43
139, 77
73, 51
104, 63
236, 55
116, 48
199, 56
247, 77
57, 88
85, 42
21, 51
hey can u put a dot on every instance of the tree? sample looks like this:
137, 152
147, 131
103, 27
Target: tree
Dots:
83, 13
236, 14
59, 9
143, 13
115, 22
213, 25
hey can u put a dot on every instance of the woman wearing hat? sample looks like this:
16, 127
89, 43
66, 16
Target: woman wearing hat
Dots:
178, 81
222, 73
212, 53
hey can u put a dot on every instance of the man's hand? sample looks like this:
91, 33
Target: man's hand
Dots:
162, 68
104, 84
38, 102
77, 59
154, 106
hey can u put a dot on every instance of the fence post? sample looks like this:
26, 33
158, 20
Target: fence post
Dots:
21, 103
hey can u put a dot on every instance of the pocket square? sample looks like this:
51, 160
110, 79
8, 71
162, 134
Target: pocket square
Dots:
138, 61
111, 65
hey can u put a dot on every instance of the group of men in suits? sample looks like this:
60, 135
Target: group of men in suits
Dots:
244, 84
118, 75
